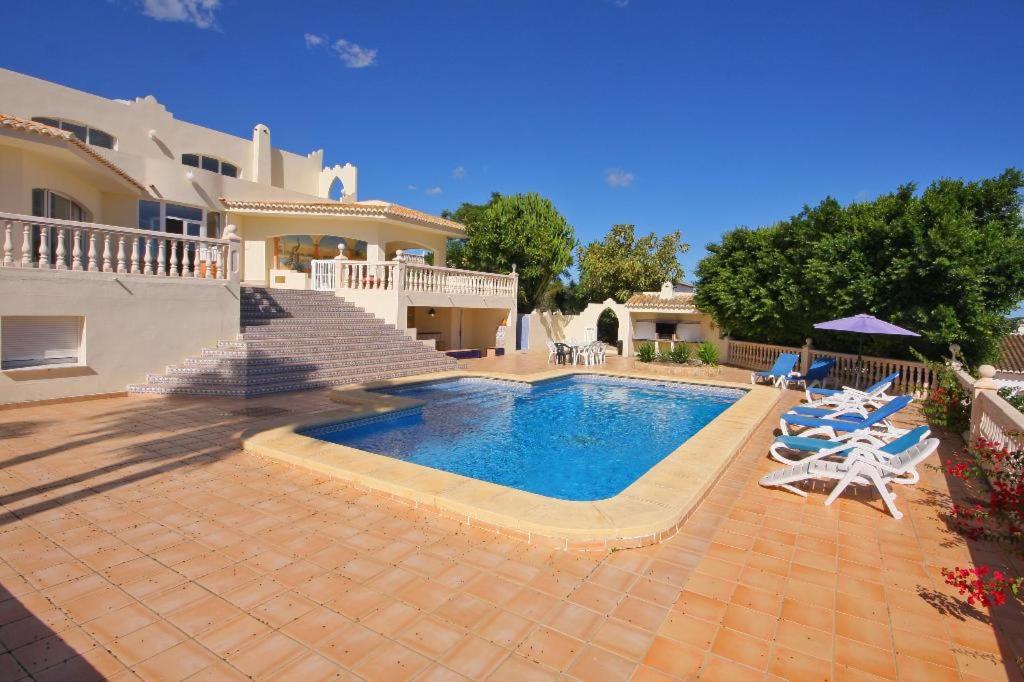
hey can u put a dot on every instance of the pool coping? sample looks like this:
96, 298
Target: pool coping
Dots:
647, 511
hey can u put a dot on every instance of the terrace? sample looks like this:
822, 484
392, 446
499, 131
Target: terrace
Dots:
138, 538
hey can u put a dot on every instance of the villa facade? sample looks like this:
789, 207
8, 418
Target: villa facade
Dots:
127, 234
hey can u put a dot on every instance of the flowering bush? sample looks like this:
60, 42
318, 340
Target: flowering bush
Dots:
1000, 518
949, 404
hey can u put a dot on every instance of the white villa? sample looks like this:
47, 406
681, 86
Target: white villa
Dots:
132, 240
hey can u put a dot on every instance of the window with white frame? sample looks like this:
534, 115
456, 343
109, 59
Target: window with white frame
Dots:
37, 341
83, 132
210, 163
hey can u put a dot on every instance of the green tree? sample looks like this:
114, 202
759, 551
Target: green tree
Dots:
620, 264
947, 263
523, 230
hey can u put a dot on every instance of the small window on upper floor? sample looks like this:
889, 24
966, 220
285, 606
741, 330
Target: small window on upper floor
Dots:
93, 136
210, 163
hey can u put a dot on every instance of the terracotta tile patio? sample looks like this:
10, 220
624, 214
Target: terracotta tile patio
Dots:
137, 541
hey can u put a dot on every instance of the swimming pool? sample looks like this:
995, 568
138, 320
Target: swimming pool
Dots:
583, 437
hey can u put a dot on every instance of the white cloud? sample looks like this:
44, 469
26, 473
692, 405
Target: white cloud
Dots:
313, 40
411, 188
198, 12
459, 172
433, 190
354, 56
616, 177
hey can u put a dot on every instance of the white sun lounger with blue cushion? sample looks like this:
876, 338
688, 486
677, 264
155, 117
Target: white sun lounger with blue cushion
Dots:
857, 468
784, 447
875, 394
847, 421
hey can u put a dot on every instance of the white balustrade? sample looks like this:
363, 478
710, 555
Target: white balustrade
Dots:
329, 275
45, 243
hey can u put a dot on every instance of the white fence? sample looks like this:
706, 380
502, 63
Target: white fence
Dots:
337, 274
50, 244
849, 369
992, 417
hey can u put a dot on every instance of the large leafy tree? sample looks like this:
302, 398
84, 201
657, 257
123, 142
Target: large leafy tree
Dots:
947, 262
621, 264
523, 230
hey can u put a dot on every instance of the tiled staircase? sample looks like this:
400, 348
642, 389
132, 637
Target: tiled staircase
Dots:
295, 340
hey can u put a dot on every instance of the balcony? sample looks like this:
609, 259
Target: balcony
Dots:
420, 284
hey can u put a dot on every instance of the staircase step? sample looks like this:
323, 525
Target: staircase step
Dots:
295, 340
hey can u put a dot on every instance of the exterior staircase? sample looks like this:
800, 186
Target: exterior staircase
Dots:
297, 340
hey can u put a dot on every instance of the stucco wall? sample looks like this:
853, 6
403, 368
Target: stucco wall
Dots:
134, 325
548, 325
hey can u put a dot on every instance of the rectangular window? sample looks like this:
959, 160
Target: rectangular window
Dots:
79, 131
149, 215
228, 169
47, 121
213, 226
39, 341
185, 212
211, 164
190, 160
101, 139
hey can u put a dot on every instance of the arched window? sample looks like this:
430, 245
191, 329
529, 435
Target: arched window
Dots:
209, 163
336, 189
83, 132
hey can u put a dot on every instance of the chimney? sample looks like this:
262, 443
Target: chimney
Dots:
261, 154
667, 290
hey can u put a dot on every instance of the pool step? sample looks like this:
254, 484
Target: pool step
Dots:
297, 340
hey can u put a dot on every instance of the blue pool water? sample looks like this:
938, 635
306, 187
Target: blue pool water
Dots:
575, 438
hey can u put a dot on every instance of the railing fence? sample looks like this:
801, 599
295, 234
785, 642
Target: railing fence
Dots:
52, 244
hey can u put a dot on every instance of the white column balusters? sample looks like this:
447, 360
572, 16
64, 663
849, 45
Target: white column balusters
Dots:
76, 249
209, 262
61, 250
26, 245
122, 265
8, 246
92, 265
197, 266
108, 256
44, 248
161, 257
135, 257
147, 268
173, 269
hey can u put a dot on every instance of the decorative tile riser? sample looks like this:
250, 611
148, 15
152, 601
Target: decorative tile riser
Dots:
355, 333
278, 322
272, 353
242, 367
249, 380
303, 383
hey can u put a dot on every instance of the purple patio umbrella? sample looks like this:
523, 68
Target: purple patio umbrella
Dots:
864, 324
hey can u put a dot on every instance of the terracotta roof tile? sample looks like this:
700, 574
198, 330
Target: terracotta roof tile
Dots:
1011, 354
36, 128
654, 300
351, 208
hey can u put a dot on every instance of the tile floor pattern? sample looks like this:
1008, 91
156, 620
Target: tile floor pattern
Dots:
136, 541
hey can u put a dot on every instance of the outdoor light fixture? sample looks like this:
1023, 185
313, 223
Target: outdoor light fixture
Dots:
431, 312
189, 175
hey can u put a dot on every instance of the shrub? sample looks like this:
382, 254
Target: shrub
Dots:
680, 354
1014, 396
949, 404
708, 353
999, 518
646, 352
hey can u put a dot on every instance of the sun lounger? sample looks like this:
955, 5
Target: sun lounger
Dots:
874, 394
816, 374
779, 372
819, 448
847, 421
856, 469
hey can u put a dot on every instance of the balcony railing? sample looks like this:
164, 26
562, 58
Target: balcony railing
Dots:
51, 244
332, 275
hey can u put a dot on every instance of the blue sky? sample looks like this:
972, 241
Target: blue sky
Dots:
694, 115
